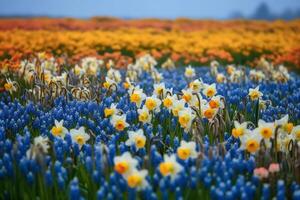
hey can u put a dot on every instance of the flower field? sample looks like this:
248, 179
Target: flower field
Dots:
94, 110
185, 41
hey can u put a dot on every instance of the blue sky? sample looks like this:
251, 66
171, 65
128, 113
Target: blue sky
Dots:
217, 9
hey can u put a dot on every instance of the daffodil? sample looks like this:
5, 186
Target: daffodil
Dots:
136, 138
220, 78
40, 146
215, 102
255, 94
239, 129
208, 112
153, 103
144, 115
137, 179
136, 96
10, 86
296, 132
189, 72
251, 141
109, 84
210, 90
79, 136
265, 129
285, 125
58, 130
125, 164
159, 90
170, 167
168, 102
115, 75
178, 105
185, 118
111, 110
196, 85
119, 122
187, 150
187, 95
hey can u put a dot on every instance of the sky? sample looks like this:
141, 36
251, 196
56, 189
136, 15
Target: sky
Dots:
216, 9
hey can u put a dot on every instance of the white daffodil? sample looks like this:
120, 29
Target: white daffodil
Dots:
58, 130
153, 103
168, 102
136, 138
187, 150
220, 78
144, 115
125, 164
79, 136
119, 122
136, 96
251, 141
110, 84
189, 72
111, 110
40, 146
178, 105
216, 102
266, 130
196, 85
187, 95
10, 86
255, 94
239, 129
159, 90
170, 167
208, 112
114, 74
296, 132
210, 90
185, 118
284, 124
137, 179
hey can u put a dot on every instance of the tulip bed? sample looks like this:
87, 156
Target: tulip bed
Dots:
90, 131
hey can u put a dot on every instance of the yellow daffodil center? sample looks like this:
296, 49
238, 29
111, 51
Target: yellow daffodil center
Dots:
184, 120
237, 132
166, 168
254, 95
140, 142
134, 180
8, 86
187, 97
159, 91
150, 104
183, 153
288, 127
80, 139
57, 130
120, 125
209, 113
210, 92
143, 117
121, 167
213, 104
252, 146
266, 132
126, 85
168, 102
135, 98
189, 72
108, 112
220, 79
106, 85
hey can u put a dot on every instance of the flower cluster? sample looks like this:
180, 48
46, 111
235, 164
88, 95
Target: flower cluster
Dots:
92, 131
